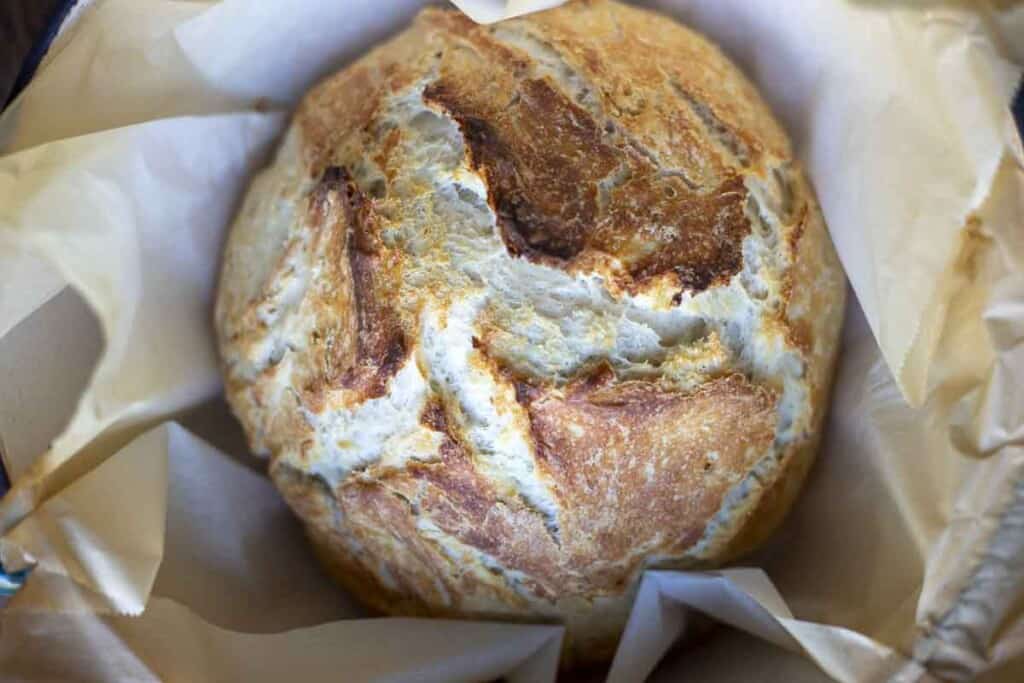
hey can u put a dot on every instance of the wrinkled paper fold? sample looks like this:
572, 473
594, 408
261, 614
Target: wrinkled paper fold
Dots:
156, 556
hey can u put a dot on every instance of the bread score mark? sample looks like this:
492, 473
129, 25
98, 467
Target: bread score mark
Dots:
380, 343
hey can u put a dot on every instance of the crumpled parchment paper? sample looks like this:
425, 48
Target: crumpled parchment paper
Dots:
157, 557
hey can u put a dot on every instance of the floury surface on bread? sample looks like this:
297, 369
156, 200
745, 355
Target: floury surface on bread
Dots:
519, 311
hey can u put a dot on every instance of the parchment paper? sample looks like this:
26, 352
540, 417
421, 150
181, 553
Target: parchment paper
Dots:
157, 556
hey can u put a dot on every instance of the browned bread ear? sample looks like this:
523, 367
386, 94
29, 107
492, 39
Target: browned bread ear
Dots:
521, 310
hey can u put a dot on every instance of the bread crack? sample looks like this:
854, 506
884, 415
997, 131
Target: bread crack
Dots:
716, 129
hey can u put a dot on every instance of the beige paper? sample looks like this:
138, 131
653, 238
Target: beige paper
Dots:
490, 11
105, 532
169, 643
28, 283
902, 558
745, 599
41, 369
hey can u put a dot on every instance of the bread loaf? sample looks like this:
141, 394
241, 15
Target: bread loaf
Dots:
520, 311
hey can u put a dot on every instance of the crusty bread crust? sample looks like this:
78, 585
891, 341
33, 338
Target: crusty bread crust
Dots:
519, 311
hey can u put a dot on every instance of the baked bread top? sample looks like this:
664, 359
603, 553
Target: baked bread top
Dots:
521, 310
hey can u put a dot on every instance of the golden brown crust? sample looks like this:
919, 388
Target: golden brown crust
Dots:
550, 304
336, 117
560, 206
